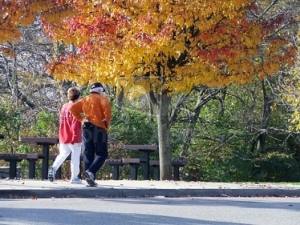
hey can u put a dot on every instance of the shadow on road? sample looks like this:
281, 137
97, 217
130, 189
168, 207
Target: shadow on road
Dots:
61, 217
214, 202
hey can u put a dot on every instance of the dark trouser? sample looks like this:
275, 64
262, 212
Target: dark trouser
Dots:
94, 146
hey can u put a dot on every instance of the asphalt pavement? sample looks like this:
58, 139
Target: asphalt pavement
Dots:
150, 211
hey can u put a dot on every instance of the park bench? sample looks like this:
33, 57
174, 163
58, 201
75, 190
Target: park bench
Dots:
4, 172
115, 165
134, 165
32, 158
144, 160
154, 164
13, 159
176, 164
45, 143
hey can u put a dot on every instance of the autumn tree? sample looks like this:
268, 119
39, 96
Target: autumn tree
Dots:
165, 47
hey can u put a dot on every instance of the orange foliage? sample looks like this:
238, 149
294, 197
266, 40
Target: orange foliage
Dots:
170, 45
160, 45
16, 13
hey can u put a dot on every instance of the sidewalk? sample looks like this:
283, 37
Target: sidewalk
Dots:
129, 188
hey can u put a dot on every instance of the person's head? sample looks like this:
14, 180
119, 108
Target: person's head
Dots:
97, 88
73, 94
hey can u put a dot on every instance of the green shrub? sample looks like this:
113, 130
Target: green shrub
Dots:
132, 127
276, 166
10, 123
46, 124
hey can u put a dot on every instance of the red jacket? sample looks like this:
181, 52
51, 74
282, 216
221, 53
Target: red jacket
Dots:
69, 126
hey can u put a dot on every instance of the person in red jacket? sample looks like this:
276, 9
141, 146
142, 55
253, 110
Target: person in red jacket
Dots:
69, 139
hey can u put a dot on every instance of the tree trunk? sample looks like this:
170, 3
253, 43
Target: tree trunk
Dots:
188, 139
261, 140
164, 136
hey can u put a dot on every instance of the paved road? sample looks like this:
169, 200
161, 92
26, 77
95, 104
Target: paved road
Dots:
151, 211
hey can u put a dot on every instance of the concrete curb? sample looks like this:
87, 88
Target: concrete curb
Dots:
141, 193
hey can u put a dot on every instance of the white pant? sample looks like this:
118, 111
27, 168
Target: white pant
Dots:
64, 152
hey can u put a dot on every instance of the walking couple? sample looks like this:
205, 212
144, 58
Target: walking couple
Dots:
83, 120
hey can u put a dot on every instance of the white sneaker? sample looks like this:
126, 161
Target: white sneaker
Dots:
51, 174
75, 181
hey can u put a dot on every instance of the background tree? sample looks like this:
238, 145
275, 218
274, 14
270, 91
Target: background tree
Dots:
28, 94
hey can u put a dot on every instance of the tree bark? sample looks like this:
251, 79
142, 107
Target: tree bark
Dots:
267, 101
163, 126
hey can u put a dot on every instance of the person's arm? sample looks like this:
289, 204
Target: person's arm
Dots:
61, 120
76, 110
61, 115
106, 111
76, 131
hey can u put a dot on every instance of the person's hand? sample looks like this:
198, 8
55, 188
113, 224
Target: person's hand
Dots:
84, 121
105, 123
